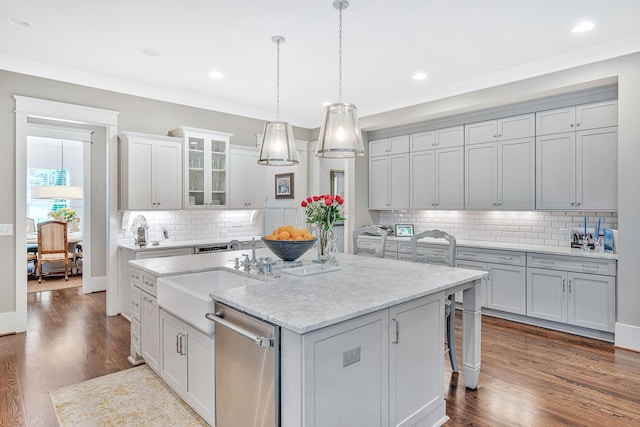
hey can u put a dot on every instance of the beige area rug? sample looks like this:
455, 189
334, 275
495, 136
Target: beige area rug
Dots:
53, 283
133, 397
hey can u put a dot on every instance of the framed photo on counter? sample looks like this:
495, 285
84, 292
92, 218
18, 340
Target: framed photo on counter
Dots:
284, 186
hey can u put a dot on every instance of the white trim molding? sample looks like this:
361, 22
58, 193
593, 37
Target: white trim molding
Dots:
627, 336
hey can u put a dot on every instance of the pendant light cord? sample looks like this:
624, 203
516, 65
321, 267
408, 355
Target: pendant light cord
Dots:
340, 58
278, 81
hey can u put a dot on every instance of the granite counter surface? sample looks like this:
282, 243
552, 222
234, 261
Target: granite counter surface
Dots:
302, 304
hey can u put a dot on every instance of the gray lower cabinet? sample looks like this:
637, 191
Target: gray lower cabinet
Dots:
585, 299
506, 286
187, 364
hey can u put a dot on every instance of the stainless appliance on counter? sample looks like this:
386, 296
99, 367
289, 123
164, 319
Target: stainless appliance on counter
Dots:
233, 245
247, 369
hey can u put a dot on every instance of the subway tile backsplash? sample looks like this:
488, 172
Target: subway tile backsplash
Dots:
193, 225
524, 227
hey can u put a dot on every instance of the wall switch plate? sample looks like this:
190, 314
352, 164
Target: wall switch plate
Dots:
6, 229
349, 357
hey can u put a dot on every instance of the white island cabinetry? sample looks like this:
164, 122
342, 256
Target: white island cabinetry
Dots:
187, 364
387, 365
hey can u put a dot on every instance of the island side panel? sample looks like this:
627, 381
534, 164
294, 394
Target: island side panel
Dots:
471, 334
291, 382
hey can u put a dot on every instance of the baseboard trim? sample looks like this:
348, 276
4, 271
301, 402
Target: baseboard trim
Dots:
627, 336
8, 323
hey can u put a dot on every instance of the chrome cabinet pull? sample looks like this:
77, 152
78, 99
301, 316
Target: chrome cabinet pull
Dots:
544, 261
178, 342
505, 257
591, 266
396, 340
563, 285
570, 280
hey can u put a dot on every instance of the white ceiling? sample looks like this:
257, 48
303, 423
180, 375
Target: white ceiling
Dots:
462, 45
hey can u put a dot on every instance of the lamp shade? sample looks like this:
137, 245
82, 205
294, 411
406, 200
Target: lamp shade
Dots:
56, 192
340, 135
278, 146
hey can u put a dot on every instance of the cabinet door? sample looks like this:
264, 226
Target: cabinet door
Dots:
379, 147
150, 331
379, 182
507, 288
200, 391
168, 176
547, 294
480, 266
597, 169
592, 301
480, 176
399, 144
450, 137
195, 172
523, 126
597, 115
555, 171
415, 387
449, 178
136, 299
174, 346
255, 182
239, 182
346, 377
399, 181
556, 121
481, 132
422, 141
516, 174
140, 188
217, 168
422, 181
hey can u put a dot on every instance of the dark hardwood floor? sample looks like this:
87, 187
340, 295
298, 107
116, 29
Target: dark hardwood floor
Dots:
69, 339
530, 376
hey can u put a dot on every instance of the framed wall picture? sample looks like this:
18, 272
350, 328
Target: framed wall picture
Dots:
284, 186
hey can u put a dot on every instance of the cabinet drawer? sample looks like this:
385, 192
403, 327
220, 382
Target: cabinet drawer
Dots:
149, 284
136, 277
577, 264
493, 256
135, 336
136, 299
161, 253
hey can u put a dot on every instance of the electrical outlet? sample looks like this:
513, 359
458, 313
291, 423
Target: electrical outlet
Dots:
349, 357
6, 229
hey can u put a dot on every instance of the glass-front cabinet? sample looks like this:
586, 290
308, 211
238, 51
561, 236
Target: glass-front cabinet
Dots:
206, 155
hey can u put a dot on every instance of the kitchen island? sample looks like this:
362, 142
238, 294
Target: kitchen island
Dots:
359, 346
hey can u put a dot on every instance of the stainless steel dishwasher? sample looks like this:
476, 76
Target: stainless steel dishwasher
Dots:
247, 369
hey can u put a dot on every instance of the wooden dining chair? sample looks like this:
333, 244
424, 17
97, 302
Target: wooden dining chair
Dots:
52, 246
448, 258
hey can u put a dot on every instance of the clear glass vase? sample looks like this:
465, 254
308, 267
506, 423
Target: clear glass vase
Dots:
327, 238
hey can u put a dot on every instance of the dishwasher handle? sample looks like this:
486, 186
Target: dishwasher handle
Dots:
261, 341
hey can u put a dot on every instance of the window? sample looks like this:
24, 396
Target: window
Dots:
39, 209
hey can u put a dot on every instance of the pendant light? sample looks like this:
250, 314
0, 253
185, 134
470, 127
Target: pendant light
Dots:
278, 146
57, 191
340, 135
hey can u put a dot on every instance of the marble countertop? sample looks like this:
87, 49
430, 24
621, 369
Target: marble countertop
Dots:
303, 304
172, 244
553, 250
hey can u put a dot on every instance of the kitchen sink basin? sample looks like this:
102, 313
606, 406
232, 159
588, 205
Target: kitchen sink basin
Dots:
187, 296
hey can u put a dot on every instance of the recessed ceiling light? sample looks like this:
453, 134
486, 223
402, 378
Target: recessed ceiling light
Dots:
216, 75
150, 52
583, 27
419, 76
18, 23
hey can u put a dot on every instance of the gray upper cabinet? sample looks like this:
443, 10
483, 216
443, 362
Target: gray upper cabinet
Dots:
575, 118
389, 173
503, 129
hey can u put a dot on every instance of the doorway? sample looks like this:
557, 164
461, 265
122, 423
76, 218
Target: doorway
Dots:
55, 160
100, 167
